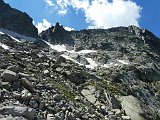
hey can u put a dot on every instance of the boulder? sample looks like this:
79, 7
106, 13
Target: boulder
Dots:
50, 116
9, 76
89, 96
112, 101
26, 112
0, 94
132, 107
27, 84
124, 117
13, 68
23, 75
57, 97
74, 55
25, 94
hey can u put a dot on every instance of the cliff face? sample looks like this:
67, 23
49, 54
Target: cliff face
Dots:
17, 21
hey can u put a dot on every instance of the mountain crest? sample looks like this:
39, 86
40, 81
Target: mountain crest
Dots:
17, 21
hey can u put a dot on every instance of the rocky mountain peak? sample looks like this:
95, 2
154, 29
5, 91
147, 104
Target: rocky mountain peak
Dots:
17, 21
58, 28
57, 35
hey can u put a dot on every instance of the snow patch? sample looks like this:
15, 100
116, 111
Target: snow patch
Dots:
16, 35
125, 62
58, 48
68, 58
68, 28
86, 51
62, 48
92, 63
1, 33
14, 39
4, 46
108, 65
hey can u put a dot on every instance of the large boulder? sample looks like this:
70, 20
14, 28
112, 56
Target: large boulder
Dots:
132, 107
9, 76
26, 112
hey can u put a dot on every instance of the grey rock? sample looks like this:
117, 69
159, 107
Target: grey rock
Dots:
16, 95
42, 105
118, 112
26, 95
9, 76
16, 85
46, 72
59, 69
6, 85
2, 116
0, 94
126, 117
27, 84
13, 68
132, 107
33, 104
74, 55
23, 75
70, 116
1, 83
90, 97
112, 101
28, 113
112, 117
57, 97
50, 117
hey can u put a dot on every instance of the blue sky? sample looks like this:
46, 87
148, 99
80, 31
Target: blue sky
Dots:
80, 14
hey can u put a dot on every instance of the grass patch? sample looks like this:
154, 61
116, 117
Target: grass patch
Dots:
63, 89
114, 88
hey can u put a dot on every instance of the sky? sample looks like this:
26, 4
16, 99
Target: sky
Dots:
90, 14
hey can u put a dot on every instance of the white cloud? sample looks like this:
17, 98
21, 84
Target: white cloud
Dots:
62, 12
117, 13
33, 22
104, 13
43, 26
49, 3
68, 28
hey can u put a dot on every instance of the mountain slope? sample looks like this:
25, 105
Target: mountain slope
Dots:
127, 59
98, 74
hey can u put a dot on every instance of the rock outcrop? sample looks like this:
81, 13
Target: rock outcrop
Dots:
57, 35
17, 21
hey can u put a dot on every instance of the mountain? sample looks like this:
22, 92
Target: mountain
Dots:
17, 21
92, 74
